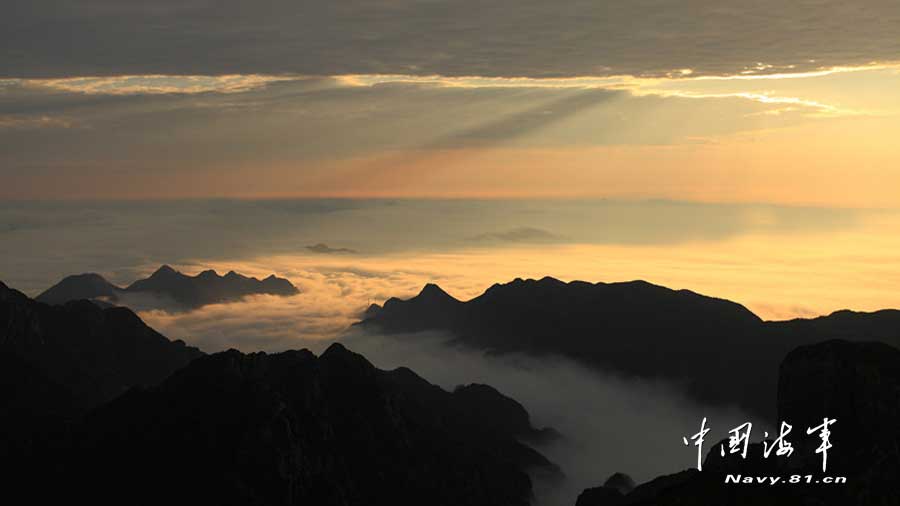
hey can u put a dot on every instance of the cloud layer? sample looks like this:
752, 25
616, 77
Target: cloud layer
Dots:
460, 37
140, 137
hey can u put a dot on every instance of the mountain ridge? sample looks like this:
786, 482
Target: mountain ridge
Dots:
167, 287
633, 328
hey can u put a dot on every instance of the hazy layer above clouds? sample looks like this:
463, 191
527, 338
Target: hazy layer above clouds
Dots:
781, 262
450, 37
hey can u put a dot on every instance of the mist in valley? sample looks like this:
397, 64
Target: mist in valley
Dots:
608, 423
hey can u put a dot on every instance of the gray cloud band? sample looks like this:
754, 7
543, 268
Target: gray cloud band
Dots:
537, 38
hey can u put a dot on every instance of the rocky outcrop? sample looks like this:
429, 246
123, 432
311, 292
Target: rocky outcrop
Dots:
612, 493
621, 482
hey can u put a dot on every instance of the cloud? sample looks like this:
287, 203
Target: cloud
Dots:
136, 139
29, 122
51, 38
324, 248
152, 84
265, 323
520, 234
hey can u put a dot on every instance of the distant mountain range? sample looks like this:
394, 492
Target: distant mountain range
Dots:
718, 350
166, 288
96, 405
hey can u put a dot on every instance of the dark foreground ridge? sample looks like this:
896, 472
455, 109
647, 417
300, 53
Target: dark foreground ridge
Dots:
858, 384
291, 429
239, 429
718, 350
167, 287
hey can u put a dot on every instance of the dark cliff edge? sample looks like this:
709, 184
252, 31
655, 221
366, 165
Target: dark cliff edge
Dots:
167, 288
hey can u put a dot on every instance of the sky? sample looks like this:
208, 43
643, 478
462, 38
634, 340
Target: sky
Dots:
789, 103
667, 139
625, 133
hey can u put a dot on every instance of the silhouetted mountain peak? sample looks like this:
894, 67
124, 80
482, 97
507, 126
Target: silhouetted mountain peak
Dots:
164, 270
339, 356
433, 292
79, 286
337, 351
371, 311
89, 277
